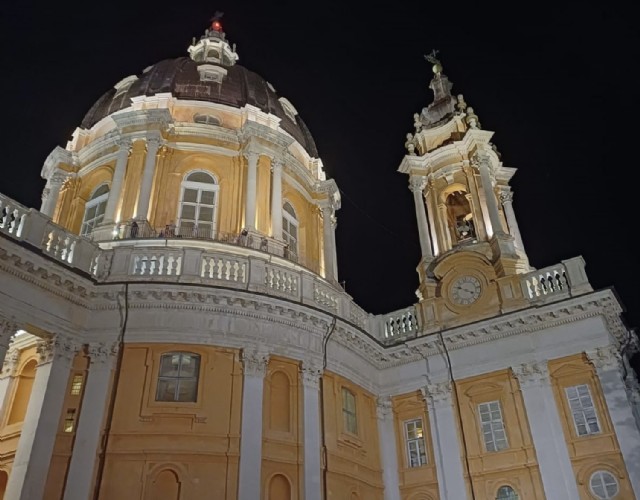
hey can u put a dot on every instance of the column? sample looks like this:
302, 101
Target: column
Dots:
386, 432
446, 442
115, 192
40, 426
51, 193
607, 361
444, 223
328, 239
144, 198
252, 181
416, 185
254, 368
506, 197
482, 162
558, 478
8, 371
276, 199
8, 329
311, 373
88, 432
429, 197
476, 206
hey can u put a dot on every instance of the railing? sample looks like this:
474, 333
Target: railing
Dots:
12, 216
545, 282
399, 323
156, 263
281, 280
224, 268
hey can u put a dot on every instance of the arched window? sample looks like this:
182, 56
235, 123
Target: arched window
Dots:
506, 493
94, 210
178, 377
24, 384
206, 119
280, 407
460, 217
603, 485
290, 230
197, 211
164, 486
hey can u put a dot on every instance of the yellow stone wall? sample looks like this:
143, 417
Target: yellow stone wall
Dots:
515, 466
353, 461
415, 482
156, 448
282, 443
593, 452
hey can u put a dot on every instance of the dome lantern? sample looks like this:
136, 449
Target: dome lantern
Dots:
213, 46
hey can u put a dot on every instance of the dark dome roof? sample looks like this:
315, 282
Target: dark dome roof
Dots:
180, 77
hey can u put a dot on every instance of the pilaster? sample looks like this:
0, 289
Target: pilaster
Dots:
388, 450
310, 374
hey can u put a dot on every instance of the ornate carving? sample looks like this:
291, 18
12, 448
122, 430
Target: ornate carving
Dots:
252, 157
417, 123
153, 143
254, 362
417, 183
533, 373
45, 193
437, 394
58, 177
10, 363
605, 358
506, 197
57, 347
276, 165
311, 372
8, 329
410, 144
102, 352
384, 407
124, 144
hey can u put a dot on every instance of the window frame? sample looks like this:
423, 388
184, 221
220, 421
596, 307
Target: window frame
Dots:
601, 473
77, 384
349, 416
88, 225
494, 441
512, 495
423, 457
290, 220
178, 379
199, 187
582, 410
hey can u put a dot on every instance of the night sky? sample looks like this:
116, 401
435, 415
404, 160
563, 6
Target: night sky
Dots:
555, 85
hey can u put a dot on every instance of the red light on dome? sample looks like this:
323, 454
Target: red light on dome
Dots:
216, 26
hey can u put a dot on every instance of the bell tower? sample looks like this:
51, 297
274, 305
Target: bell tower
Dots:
469, 235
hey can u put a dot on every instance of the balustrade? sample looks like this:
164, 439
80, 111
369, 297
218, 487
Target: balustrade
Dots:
281, 280
544, 282
12, 216
156, 263
400, 323
224, 268
59, 244
324, 297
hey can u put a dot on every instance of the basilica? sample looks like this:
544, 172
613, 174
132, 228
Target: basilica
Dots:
172, 325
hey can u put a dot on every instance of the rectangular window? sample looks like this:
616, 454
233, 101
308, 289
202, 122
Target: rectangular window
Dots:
76, 385
414, 436
69, 420
178, 377
349, 411
582, 409
495, 438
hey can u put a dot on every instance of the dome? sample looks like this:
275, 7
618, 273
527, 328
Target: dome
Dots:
181, 78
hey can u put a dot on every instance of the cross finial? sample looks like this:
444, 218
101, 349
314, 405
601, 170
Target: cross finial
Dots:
433, 59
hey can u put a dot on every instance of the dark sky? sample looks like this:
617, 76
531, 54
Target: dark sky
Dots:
555, 84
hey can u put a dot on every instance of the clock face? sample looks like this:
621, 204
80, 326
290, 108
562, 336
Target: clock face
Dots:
465, 290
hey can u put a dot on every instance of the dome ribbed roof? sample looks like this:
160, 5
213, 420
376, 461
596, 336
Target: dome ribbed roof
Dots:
180, 77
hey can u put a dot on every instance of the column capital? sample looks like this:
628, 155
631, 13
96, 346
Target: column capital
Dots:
276, 165
384, 407
102, 352
56, 347
531, 374
481, 159
310, 372
153, 142
10, 363
251, 155
124, 143
417, 183
506, 196
8, 329
605, 358
254, 362
58, 177
438, 394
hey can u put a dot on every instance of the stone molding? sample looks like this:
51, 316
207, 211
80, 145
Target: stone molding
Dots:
437, 394
10, 363
254, 362
102, 352
311, 371
57, 347
384, 408
531, 374
605, 358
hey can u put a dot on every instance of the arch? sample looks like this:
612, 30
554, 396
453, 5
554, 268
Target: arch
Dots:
197, 208
354, 496
279, 487
290, 229
4, 478
506, 492
280, 402
165, 484
207, 119
24, 385
94, 209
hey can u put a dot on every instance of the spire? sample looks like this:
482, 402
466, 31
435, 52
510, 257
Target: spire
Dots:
444, 104
213, 46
